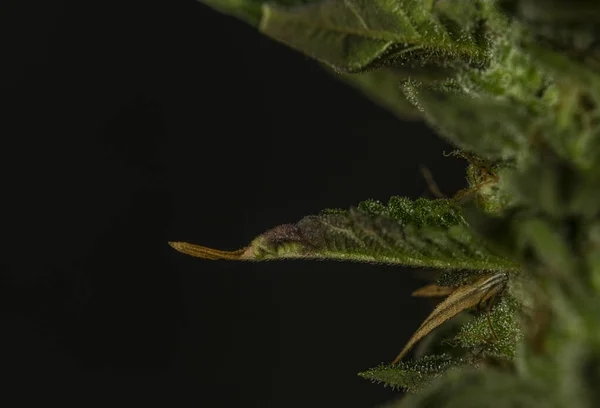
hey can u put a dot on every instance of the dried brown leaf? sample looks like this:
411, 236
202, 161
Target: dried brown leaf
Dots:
464, 297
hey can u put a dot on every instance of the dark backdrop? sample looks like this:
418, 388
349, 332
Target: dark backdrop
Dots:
128, 124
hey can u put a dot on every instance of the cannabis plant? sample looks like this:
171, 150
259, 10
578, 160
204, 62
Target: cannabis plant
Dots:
515, 86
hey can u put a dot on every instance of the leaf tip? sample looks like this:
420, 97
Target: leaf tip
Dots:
433, 290
199, 251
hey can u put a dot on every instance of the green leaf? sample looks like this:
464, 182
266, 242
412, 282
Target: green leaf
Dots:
567, 26
554, 11
489, 127
572, 127
496, 332
471, 388
352, 35
385, 86
416, 233
547, 183
413, 375
245, 10
487, 186
249, 11
511, 75
548, 243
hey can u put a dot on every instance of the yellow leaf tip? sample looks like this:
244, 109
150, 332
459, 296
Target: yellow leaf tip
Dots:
199, 251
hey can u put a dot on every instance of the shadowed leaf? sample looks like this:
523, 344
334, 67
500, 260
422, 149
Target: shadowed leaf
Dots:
570, 27
249, 11
486, 126
385, 86
467, 387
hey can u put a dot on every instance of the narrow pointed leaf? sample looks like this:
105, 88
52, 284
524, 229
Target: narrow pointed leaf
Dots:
433, 290
413, 375
464, 297
417, 233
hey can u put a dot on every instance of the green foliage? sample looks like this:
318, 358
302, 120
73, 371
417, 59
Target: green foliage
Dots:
515, 85
250, 10
417, 233
471, 388
570, 26
484, 125
413, 375
354, 35
496, 332
384, 87
439, 213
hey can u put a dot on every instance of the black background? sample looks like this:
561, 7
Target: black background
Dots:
129, 124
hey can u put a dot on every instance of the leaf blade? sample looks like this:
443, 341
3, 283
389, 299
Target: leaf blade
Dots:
385, 86
352, 35
422, 233
491, 128
414, 375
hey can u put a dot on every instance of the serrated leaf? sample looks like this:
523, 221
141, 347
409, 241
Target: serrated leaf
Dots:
496, 331
428, 233
467, 387
351, 35
463, 298
414, 375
